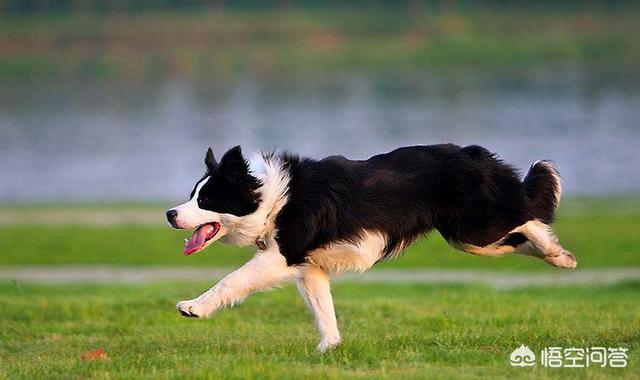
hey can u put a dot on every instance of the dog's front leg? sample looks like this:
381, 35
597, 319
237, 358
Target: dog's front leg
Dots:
315, 289
267, 269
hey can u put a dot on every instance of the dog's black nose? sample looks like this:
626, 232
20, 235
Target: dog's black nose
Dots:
171, 216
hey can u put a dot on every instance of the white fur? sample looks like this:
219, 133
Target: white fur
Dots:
494, 249
190, 215
245, 230
266, 270
314, 288
544, 244
345, 256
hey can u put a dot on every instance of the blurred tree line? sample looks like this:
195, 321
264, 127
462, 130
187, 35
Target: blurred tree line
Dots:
106, 6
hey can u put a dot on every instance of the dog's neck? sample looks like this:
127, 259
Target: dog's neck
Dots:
259, 227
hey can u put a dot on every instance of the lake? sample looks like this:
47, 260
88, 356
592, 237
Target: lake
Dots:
82, 139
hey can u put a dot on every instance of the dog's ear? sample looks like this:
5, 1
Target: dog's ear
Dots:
209, 160
233, 164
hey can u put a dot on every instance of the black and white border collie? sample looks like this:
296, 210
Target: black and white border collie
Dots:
312, 218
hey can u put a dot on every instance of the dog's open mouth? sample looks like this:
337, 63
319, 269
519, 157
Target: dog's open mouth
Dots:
200, 237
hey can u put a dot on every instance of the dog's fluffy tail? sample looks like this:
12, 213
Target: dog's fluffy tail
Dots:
543, 188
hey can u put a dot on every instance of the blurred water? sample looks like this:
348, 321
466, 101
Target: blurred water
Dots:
88, 140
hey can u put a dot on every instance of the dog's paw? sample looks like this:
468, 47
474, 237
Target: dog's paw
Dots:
193, 309
563, 259
328, 344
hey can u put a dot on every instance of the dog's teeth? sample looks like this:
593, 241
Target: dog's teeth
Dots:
186, 240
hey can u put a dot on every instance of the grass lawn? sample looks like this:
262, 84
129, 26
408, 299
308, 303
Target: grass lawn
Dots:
598, 240
393, 331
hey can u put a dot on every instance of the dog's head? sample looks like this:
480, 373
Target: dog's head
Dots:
226, 192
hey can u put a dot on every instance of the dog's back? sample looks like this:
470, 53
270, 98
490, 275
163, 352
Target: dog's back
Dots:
466, 193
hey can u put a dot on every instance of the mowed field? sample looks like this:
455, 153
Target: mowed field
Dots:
389, 330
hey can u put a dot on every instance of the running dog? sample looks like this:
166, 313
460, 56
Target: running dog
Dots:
312, 218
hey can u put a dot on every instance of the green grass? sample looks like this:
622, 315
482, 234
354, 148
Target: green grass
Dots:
598, 240
390, 331
216, 44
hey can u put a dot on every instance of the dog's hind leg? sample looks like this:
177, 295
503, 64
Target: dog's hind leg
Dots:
542, 243
314, 288
266, 270
495, 249
533, 238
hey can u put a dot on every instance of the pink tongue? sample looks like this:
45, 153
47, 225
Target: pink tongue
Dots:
198, 238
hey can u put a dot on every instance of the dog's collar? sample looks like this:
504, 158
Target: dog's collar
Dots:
262, 245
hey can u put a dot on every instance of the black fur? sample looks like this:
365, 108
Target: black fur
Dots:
540, 187
467, 194
514, 239
231, 189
